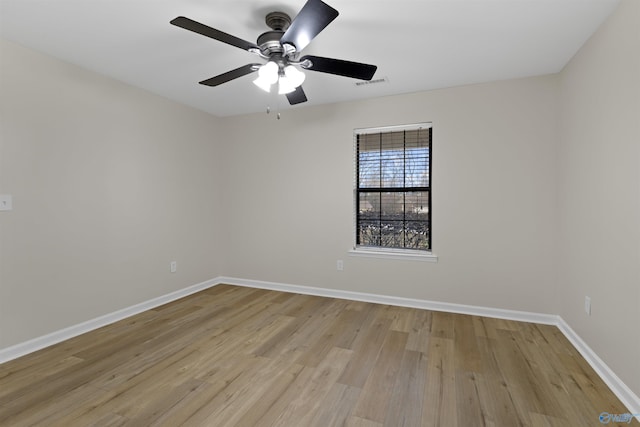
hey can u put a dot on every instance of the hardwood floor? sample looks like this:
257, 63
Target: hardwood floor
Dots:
234, 356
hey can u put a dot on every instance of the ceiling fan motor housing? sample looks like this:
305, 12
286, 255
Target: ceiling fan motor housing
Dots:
269, 42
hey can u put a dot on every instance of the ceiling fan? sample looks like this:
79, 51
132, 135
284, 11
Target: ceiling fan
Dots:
281, 47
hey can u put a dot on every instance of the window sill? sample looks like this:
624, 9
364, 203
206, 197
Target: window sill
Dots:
390, 254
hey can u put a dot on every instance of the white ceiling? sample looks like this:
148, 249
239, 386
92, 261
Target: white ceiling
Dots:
416, 44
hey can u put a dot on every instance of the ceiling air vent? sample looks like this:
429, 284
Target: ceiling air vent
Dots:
372, 82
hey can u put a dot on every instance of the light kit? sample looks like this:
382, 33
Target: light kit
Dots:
287, 77
281, 48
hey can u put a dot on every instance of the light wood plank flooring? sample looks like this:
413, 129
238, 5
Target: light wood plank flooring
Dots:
234, 356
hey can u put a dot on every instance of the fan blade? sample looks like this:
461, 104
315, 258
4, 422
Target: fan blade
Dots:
312, 19
340, 67
230, 75
297, 96
196, 27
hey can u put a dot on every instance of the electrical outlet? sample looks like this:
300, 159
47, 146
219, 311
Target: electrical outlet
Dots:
340, 265
173, 267
6, 203
587, 305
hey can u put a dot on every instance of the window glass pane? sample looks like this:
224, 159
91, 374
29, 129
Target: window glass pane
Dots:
417, 205
417, 167
392, 168
369, 234
369, 142
417, 158
369, 219
369, 169
369, 205
393, 174
392, 204
391, 234
416, 235
392, 159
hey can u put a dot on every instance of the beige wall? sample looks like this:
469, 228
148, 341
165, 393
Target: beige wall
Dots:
599, 192
109, 185
536, 192
494, 201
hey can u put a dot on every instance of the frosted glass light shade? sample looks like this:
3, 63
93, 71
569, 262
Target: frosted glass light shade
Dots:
285, 86
295, 76
262, 84
269, 72
267, 75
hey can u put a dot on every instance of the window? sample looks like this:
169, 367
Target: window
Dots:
393, 188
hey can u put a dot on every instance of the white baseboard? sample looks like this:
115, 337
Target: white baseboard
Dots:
620, 389
41, 342
522, 316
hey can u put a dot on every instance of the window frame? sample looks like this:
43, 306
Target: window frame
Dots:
381, 251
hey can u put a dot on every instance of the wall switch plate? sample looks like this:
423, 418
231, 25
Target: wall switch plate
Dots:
173, 267
340, 265
6, 202
587, 305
